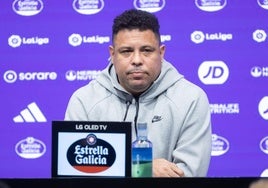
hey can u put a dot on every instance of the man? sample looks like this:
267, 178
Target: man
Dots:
138, 85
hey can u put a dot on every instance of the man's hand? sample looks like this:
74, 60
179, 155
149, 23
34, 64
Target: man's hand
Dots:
164, 168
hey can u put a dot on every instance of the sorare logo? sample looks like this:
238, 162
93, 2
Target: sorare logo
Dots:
91, 155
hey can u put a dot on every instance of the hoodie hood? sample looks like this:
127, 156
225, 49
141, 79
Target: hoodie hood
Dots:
168, 76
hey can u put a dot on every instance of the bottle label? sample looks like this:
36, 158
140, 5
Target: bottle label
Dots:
141, 162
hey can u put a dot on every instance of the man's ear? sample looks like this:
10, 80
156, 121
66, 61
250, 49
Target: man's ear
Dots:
111, 51
162, 51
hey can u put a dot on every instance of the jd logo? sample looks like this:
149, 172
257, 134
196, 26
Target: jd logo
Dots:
213, 72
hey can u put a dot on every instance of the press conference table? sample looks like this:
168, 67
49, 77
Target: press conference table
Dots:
238, 182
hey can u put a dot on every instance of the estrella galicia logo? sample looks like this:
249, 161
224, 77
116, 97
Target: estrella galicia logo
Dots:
150, 6
30, 148
210, 5
213, 72
88, 7
264, 145
220, 145
263, 4
27, 7
91, 155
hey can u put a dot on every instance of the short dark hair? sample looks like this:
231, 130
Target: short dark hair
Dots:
136, 19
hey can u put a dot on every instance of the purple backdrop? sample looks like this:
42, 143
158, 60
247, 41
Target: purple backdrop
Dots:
50, 48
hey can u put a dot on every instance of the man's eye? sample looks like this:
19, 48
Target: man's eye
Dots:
125, 51
147, 51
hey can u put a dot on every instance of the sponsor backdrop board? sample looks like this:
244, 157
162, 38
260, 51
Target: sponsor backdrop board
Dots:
50, 48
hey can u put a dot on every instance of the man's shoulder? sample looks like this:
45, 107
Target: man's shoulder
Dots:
91, 91
184, 88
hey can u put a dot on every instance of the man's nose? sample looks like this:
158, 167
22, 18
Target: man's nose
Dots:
137, 58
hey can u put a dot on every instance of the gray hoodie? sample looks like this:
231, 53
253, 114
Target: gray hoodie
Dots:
176, 111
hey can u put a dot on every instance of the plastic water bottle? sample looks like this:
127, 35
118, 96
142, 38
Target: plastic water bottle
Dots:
142, 155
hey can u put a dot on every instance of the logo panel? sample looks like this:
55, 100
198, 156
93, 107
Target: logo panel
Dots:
263, 107
213, 72
27, 7
88, 7
149, 5
91, 155
30, 148
210, 5
30, 114
220, 145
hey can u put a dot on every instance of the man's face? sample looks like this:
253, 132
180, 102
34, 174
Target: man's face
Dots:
136, 56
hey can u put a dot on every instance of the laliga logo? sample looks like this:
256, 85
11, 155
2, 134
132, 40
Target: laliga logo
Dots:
259, 35
91, 155
197, 37
75, 39
14, 41
149, 5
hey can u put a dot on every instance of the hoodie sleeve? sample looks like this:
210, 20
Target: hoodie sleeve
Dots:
75, 109
193, 150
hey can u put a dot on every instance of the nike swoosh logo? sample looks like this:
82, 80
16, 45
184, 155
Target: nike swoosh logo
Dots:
156, 119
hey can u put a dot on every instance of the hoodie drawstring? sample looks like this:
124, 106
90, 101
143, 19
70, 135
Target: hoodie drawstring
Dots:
136, 115
128, 103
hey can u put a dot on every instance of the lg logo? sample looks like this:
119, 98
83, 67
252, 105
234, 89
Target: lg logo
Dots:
213, 72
